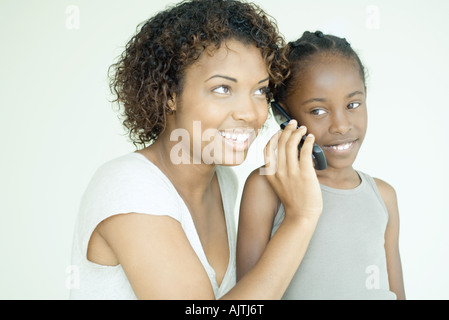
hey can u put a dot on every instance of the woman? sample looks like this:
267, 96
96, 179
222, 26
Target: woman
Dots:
158, 223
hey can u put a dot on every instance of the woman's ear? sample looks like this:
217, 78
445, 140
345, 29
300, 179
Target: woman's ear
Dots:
171, 103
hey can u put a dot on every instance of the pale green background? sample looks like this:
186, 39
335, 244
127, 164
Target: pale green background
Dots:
57, 126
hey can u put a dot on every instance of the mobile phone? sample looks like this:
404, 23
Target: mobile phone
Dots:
282, 118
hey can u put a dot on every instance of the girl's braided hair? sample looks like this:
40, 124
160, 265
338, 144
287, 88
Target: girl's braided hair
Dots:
301, 51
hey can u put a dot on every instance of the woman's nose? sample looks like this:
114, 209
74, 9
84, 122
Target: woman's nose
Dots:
249, 111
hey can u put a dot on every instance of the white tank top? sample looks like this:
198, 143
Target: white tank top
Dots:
346, 255
132, 183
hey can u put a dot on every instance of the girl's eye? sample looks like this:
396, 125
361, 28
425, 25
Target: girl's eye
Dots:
318, 112
222, 90
353, 105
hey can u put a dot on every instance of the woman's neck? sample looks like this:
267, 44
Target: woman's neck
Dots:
192, 180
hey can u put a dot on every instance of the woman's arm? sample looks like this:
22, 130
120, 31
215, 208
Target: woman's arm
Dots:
394, 265
296, 185
160, 263
156, 256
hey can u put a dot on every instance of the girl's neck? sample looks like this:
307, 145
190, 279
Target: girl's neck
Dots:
339, 178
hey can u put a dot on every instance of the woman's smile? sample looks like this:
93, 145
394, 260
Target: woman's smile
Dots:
238, 139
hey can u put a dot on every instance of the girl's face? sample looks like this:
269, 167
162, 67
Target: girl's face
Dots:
223, 104
330, 100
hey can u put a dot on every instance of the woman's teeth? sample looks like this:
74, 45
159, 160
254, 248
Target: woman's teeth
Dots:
235, 137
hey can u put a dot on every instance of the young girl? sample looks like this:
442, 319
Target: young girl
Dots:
354, 251
159, 223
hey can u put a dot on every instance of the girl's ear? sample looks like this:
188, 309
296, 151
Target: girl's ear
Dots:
284, 106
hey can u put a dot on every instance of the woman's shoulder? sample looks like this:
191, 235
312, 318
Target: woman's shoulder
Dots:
128, 184
131, 178
127, 164
132, 168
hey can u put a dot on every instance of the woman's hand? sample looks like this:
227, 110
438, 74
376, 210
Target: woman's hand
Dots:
293, 178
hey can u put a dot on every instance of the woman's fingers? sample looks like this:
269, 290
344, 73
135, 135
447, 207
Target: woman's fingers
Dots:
292, 176
281, 152
306, 153
270, 155
282, 144
292, 149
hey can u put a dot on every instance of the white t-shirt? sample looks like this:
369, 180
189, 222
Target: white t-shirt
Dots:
132, 183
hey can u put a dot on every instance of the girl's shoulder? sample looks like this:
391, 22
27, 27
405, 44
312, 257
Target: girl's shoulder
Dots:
258, 181
386, 190
388, 194
258, 195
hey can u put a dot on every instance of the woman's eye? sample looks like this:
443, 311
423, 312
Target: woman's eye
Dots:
262, 91
318, 112
222, 90
353, 105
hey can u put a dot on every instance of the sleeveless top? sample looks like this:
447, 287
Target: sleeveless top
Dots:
132, 183
346, 256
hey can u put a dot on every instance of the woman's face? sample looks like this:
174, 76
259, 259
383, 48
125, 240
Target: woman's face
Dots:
330, 100
222, 106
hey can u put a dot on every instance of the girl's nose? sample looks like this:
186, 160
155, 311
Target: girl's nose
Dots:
340, 123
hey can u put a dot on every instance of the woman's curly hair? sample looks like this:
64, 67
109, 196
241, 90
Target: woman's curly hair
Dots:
151, 69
